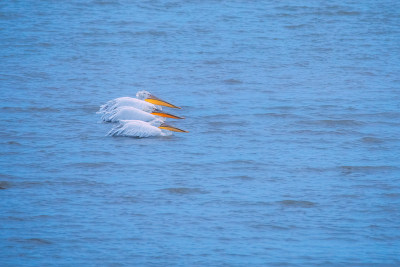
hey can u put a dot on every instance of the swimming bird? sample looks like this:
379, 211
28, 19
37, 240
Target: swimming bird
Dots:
131, 113
144, 101
137, 128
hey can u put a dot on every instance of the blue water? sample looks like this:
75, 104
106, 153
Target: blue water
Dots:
293, 109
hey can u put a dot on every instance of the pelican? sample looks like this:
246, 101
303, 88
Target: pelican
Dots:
131, 113
143, 101
137, 128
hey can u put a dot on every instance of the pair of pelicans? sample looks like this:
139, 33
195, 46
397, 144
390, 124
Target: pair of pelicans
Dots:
138, 117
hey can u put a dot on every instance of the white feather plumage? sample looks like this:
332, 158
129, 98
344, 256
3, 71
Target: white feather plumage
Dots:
137, 128
129, 113
127, 102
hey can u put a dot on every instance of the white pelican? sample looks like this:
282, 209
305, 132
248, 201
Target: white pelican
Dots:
131, 113
136, 128
143, 101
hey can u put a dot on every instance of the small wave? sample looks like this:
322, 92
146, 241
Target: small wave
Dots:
272, 227
347, 13
8, 176
333, 123
183, 190
371, 140
241, 177
296, 203
13, 143
29, 110
293, 27
4, 185
227, 123
212, 62
366, 169
93, 164
150, 33
275, 115
106, 3
293, 8
232, 81
39, 241
239, 161
392, 195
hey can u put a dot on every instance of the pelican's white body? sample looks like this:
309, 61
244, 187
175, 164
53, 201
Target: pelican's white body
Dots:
137, 128
127, 102
129, 113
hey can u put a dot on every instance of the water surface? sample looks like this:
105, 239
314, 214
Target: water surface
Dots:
293, 151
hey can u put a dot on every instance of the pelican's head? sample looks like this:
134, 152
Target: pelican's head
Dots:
171, 128
142, 95
146, 96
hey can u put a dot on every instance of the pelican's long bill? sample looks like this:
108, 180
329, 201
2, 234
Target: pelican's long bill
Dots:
171, 128
156, 101
160, 113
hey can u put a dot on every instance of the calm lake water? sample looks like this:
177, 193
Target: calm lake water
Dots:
293, 155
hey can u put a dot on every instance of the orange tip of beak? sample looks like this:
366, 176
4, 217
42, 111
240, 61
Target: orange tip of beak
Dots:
165, 115
156, 101
171, 128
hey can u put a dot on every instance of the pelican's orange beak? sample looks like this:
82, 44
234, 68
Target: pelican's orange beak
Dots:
171, 128
156, 101
160, 113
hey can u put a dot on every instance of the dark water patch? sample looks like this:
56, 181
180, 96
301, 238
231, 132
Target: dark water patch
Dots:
296, 203
154, 33
212, 62
43, 109
379, 115
315, 169
392, 195
106, 3
93, 164
294, 8
30, 184
213, 117
239, 162
372, 140
58, 182
126, 199
125, 22
367, 169
227, 18
31, 218
86, 108
183, 191
17, 219
276, 115
4, 185
232, 81
346, 13
334, 133
284, 108
13, 143
294, 27
241, 177
37, 241
29, 110
227, 123
244, 203
273, 227
8, 176
333, 123
351, 196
